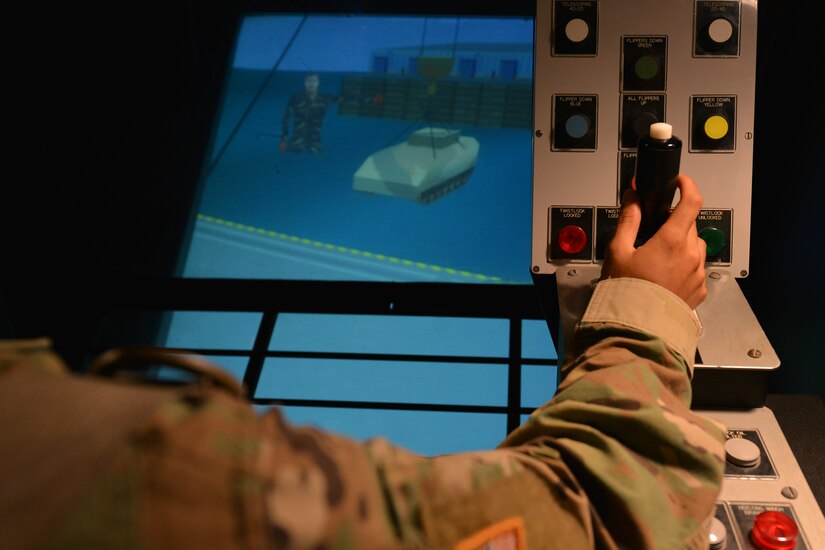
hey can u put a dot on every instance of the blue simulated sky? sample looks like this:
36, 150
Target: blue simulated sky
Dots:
344, 43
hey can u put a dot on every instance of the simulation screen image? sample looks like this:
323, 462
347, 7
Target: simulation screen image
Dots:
370, 148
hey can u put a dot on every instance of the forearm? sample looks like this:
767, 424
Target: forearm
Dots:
615, 459
621, 419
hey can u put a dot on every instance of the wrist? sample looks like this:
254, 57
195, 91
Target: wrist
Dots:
647, 307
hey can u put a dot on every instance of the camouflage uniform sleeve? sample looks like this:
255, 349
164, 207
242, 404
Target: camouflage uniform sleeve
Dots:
34, 353
615, 460
621, 421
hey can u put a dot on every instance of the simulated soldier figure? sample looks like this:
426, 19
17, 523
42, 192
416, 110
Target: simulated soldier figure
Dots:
307, 109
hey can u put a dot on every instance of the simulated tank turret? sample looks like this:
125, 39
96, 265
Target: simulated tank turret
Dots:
430, 164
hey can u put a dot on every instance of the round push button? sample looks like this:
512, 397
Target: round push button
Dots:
716, 127
714, 239
718, 534
774, 530
572, 239
646, 67
576, 30
742, 452
641, 124
720, 30
577, 126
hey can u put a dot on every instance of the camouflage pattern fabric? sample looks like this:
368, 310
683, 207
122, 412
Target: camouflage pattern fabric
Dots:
307, 113
616, 459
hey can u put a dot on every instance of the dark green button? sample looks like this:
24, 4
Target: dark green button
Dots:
714, 238
646, 67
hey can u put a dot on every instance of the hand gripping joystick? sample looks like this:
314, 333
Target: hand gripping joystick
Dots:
657, 166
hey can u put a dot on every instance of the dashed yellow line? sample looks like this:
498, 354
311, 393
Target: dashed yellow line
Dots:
346, 250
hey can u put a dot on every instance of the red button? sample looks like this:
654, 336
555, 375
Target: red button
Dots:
572, 239
774, 531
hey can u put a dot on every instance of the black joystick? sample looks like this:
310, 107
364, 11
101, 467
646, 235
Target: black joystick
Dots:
657, 166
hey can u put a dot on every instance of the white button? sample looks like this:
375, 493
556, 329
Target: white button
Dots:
717, 534
742, 452
661, 130
720, 30
576, 30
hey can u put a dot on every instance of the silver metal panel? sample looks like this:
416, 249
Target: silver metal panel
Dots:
574, 285
732, 336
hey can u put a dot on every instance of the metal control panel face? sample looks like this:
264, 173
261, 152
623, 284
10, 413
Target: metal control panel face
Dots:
764, 493
607, 69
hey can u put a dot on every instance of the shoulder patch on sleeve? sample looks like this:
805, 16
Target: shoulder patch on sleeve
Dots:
507, 534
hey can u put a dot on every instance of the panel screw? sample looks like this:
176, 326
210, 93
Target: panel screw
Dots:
755, 353
744, 273
539, 133
748, 135
572, 273
714, 275
789, 492
535, 269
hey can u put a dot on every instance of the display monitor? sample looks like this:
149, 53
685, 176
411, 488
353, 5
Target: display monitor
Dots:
370, 147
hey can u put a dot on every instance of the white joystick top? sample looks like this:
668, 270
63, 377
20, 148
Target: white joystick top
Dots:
661, 130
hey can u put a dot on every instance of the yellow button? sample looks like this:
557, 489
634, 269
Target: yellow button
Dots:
716, 127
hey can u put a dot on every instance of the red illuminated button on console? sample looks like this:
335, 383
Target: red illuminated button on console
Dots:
774, 530
572, 239
570, 236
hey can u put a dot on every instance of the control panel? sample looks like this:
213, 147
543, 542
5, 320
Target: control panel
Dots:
765, 502
605, 70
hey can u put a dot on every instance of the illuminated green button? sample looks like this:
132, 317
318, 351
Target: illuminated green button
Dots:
714, 239
646, 67
716, 127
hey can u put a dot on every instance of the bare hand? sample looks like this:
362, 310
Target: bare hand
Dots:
673, 258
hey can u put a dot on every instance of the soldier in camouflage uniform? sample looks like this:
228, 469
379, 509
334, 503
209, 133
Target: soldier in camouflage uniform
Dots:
616, 459
306, 110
